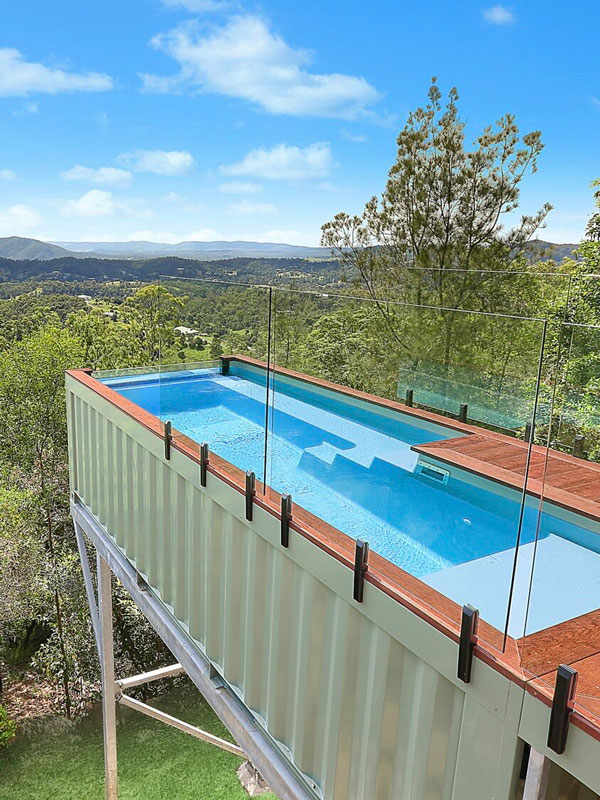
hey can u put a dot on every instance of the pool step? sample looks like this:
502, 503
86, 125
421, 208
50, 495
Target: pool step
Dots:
565, 584
401, 457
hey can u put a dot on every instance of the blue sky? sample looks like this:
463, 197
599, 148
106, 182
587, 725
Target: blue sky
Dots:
176, 119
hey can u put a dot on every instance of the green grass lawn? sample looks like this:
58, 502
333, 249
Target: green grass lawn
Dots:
60, 761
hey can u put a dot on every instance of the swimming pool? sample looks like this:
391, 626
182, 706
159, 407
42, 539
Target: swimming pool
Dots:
351, 464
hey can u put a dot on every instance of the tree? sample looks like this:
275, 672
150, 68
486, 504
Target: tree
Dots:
216, 349
33, 439
153, 313
577, 370
21, 558
106, 344
593, 227
22, 584
34, 505
441, 211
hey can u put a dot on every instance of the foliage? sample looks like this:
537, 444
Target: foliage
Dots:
593, 227
33, 441
22, 580
8, 728
33, 431
442, 207
151, 314
106, 344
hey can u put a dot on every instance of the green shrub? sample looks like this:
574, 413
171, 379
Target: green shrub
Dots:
8, 728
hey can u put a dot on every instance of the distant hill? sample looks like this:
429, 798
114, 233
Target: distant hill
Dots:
198, 250
551, 251
17, 247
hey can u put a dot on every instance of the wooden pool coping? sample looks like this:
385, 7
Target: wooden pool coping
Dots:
547, 648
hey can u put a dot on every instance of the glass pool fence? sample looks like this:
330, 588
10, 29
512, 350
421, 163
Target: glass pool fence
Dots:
462, 445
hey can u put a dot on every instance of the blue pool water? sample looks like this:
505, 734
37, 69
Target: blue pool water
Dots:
352, 466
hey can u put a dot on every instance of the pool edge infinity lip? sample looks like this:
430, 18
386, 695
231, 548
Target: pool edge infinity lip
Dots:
427, 603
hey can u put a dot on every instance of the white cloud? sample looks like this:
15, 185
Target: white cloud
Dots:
285, 162
160, 162
245, 59
354, 137
103, 176
172, 197
332, 188
7, 175
247, 207
27, 110
498, 15
240, 187
19, 78
18, 219
196, 5
203, 235
95, 203
281, 237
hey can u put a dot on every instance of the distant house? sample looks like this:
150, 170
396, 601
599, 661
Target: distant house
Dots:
187, 332
85, 297
191, 336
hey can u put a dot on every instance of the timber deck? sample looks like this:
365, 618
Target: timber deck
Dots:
559, 478
563, 480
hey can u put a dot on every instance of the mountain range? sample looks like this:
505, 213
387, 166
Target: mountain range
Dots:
201, 250
19, 248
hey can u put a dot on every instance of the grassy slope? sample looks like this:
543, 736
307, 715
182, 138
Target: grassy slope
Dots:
155, 762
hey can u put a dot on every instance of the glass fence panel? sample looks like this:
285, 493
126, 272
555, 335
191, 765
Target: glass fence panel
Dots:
435, 494
560, 606
204, 324
524, 293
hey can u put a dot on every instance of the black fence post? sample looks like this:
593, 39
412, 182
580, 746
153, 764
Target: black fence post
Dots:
168, 439
468, 638
462, 414
250, 493
529, 432
562, 706
286, 516
361, 562
409, 397
579, 446
203, 463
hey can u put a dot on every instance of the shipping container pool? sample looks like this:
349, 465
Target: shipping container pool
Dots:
351, 463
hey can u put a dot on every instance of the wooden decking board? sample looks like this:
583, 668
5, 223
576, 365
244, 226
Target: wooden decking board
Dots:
565, 643
587, 694
557, 477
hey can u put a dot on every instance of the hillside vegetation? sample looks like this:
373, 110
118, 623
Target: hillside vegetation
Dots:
17, 247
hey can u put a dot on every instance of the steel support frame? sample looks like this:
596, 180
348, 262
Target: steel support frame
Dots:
156, 675
107, 664
254, 742
536, 779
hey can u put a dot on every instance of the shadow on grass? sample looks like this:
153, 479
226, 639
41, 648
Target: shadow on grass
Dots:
54, 759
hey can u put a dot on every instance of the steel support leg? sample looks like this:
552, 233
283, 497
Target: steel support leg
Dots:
536, 781
107, 661
89, 587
